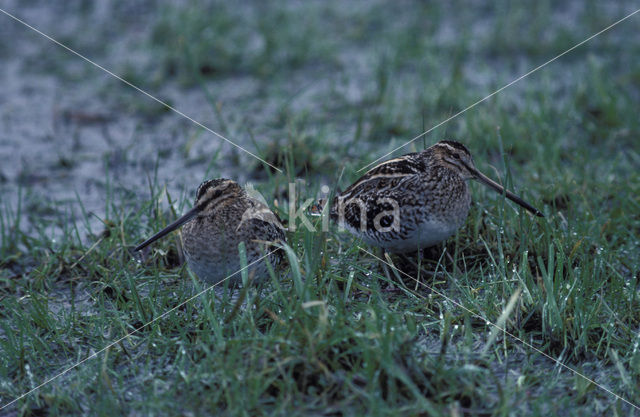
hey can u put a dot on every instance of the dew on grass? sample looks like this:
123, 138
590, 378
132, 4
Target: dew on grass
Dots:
173, 154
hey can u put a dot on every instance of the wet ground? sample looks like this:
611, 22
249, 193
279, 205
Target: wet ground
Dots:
73, 135
339, 85
70, 133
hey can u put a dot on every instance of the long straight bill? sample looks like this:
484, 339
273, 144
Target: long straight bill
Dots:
511, 196
173, 226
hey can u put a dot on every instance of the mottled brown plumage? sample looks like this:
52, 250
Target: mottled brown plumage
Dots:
224, 215
414, 201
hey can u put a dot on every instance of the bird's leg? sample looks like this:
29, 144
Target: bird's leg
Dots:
453, 262
408, 260
385, 267
417, 266
419, 269
241, 298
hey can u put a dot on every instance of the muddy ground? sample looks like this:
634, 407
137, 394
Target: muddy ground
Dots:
344, 83
71, 133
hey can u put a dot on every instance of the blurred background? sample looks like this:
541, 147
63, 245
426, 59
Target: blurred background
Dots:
316, 88
89, 166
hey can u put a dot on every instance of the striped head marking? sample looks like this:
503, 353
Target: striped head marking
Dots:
212, 190
457, 157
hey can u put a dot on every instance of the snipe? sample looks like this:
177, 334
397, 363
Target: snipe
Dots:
415, 201
222, 216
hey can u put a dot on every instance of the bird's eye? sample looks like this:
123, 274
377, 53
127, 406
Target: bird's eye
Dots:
457, 156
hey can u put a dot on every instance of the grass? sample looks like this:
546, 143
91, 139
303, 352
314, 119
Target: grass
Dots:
330, 334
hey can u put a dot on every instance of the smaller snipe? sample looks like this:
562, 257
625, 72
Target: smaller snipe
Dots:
222, 216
